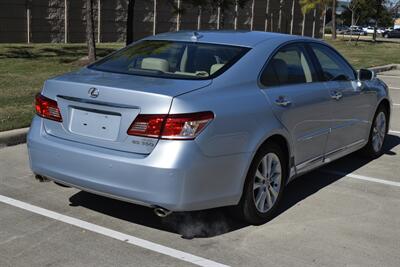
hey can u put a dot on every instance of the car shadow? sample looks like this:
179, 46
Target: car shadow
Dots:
214, 222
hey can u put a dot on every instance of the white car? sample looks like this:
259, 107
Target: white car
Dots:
370, 30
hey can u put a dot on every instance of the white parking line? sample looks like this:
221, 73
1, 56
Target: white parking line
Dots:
361, 177
394, 88
394, 132
111, 233
395, 104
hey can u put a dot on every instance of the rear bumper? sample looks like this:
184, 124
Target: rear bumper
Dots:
176, 175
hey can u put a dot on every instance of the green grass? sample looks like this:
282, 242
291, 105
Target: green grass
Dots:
366, 54
24, 68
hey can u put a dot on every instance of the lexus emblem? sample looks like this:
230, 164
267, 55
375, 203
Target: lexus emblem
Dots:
93, 92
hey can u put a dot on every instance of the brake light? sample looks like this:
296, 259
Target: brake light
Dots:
175, 126
147, 125
47, 108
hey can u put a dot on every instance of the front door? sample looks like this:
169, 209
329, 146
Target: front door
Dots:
351, 105
300, 102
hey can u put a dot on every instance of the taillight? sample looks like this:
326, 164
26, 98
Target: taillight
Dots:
47, 108
175, 126
147, 125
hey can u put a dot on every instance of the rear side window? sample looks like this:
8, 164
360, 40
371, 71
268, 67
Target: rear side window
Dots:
290, 65
188, 60
332, 65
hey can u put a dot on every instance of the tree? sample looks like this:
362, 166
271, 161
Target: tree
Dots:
218, 5
90, 31
306, 7
281, 3
366, 12
267, 3
379, 10
292, 17
325, 4
200, 5
353, 7
129, 22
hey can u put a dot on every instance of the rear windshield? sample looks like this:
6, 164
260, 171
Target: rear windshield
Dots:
186, 60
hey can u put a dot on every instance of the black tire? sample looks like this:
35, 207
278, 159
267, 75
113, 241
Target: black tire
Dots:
246, 210
368, 150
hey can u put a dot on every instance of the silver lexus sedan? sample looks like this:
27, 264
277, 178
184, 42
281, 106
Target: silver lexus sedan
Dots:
196, 120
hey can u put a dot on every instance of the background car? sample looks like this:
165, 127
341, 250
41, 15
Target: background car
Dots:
341, 29
356, 30
370, 30
395, 33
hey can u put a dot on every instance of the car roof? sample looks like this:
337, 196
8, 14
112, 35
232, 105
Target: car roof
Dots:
228, 37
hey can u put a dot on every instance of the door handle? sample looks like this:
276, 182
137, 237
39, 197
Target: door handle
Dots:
282, 101
336, 95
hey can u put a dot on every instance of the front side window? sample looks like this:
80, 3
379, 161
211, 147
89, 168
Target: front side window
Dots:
290, 65
188, 60
332, 65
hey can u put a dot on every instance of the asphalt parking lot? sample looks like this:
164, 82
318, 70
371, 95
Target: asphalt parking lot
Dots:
345, 214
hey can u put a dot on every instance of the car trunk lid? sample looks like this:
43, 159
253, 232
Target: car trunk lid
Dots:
97, 108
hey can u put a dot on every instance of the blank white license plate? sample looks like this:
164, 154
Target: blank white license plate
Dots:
95, 124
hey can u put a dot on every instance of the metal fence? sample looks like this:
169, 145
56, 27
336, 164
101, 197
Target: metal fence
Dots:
38, 21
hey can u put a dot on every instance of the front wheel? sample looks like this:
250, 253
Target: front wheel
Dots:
377, 134
264, 186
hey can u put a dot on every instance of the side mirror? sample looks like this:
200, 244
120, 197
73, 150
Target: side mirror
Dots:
365, 75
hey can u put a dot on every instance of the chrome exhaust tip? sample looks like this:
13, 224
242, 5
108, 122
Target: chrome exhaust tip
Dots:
41, 178
161, 212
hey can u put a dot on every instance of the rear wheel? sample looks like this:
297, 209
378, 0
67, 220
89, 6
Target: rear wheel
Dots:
264, 186
377, 134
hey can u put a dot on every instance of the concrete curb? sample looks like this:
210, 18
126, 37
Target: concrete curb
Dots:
13, 137
379, 69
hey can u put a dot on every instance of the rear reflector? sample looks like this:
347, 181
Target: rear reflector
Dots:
175, 126
47, 108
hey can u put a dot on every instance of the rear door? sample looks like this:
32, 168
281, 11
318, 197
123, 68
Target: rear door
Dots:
350, 104
300, 102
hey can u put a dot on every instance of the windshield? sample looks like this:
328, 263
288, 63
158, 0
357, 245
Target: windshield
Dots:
187, 60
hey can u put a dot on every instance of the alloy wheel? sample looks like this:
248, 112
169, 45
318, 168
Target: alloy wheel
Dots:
379, 131
267, 182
